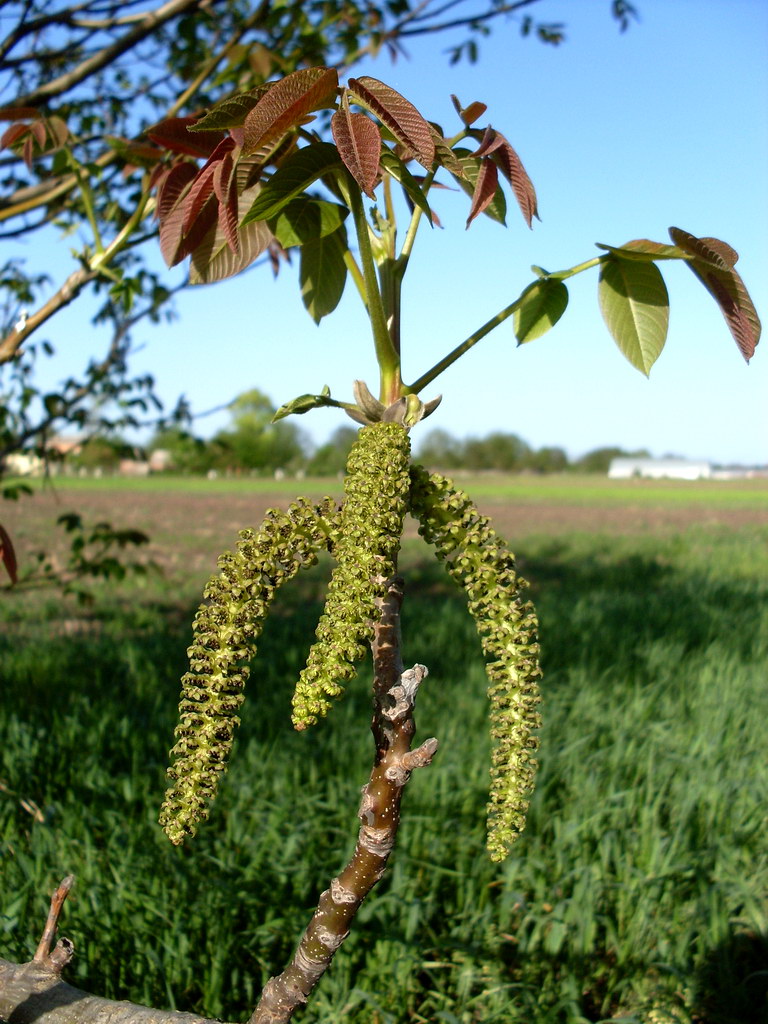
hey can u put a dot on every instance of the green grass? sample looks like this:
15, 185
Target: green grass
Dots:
557, 488
641, 878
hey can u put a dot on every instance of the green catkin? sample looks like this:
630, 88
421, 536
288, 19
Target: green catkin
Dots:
480, 561
370, 527
226, 629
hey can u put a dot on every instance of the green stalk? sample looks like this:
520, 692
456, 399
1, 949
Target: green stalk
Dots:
387, 355
103, 258
86, 195
465, 346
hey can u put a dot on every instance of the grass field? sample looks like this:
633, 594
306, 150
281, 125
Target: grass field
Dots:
639, 891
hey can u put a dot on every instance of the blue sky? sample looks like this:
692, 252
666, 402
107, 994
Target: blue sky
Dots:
623, 136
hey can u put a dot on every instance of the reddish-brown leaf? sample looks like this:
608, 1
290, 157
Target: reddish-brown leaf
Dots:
38, 131
511, 166
203, 187
398, 115
213, 258
198, 196
15, 113
170, 182
713, 266
222, 176
172, 134
728, 291
57, 130
485, 189
7, 554
359, 144
702, 249
13, 134
225, 187
725, 251
27, 151
170, 211
287, 104
471, 113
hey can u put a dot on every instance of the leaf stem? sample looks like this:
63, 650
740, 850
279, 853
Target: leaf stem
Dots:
386, 354
490, 325
465, 346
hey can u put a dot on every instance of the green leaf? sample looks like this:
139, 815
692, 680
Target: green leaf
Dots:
230, 113
305, 219
635, 306
299, 171
395, 167
303, 404
644, 249
542, 304
323, 273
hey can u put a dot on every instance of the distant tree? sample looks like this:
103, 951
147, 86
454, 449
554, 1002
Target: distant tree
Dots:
254, 442
187, 453
441, 450
330, 459
498, 450
102, 453
599, 460
547, 460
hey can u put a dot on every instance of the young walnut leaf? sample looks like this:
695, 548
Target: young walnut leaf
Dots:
298, 172
471, 113
713, 265
511, 166
287, 104
397, 114
635, 306
470, 168
214, 259
718, 254
486, 185
225, 190
323, 273
174, 134
396, 168
359, 144
541, 306
170, 210
231, 112
644, 249
304, 219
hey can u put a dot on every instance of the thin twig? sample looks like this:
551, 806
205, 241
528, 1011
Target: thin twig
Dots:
43, 953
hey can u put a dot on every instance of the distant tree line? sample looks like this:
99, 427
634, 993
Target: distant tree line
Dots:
508, 453
253, 443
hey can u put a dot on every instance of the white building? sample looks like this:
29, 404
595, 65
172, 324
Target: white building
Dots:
658, 469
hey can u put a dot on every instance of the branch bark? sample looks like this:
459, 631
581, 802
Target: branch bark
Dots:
74, 284
151, 21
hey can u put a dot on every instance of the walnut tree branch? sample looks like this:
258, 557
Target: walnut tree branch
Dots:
149, 24
393, 727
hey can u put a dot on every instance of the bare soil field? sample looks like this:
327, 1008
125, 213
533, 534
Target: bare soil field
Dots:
188, 529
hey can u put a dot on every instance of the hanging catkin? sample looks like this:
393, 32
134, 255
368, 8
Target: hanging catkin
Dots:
479, 561
370, 526
226, 629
